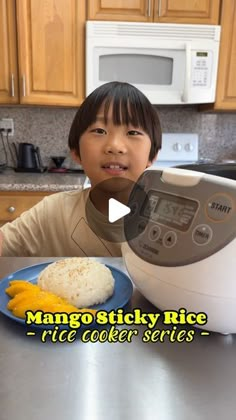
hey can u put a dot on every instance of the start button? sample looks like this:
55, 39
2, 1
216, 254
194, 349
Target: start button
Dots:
220, 207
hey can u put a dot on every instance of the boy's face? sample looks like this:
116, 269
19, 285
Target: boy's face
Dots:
109, 151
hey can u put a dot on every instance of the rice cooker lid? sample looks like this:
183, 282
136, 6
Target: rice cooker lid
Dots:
225, 169
182, 217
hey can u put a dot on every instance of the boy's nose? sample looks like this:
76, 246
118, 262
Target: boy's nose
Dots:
115, 145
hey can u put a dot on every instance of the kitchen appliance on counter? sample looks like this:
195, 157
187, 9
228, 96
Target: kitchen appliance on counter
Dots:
58, 161
184, 256
28, 158
58, 168
170, 63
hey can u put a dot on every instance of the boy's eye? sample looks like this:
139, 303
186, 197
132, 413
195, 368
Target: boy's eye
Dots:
134, 133
98, 131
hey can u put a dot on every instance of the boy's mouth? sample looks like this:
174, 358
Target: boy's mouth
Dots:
114, 168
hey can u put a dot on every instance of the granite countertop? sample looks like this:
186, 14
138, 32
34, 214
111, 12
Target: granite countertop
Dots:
15, 181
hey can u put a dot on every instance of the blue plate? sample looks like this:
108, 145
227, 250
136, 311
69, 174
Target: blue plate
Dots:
122, 292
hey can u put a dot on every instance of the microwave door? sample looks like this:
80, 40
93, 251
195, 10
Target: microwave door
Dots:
137, 68
158, 73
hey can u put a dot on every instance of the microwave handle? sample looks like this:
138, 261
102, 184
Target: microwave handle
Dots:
185, 96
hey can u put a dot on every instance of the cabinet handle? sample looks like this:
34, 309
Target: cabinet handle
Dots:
159, 8
149, 8
11, 209
12, 86
23, 84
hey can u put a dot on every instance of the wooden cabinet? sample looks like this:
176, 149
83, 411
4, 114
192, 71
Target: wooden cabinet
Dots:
130, 10
187, 11
50, 51
13, 203
172, 11
8, 53
226, 81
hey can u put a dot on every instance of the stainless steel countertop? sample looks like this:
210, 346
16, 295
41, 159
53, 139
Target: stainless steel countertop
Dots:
17, 181
164, 381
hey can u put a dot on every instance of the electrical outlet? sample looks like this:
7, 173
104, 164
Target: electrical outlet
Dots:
7, 124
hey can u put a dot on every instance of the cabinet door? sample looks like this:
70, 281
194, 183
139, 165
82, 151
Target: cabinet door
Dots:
51, 51
13, 204
123, 10
226, 84
187, 11
8, 66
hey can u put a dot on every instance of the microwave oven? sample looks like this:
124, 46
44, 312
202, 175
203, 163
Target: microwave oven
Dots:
169, 63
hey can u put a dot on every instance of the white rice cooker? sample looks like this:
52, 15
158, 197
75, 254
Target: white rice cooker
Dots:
181, 243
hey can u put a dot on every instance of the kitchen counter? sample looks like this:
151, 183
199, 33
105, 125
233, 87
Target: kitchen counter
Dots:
103, 381
51, 182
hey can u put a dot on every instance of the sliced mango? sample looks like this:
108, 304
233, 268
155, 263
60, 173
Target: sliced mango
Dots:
14, 289
36, 303
29, 297
24, 306
13, 282
26, 295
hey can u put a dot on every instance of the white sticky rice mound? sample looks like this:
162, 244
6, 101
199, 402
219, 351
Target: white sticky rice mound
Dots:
81, 281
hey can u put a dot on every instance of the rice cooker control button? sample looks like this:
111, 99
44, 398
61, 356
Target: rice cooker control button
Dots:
141, 226
202, 234
169, 239
154, 233
219, 207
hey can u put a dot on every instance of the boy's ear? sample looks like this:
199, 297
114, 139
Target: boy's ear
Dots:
75, 156
150, 162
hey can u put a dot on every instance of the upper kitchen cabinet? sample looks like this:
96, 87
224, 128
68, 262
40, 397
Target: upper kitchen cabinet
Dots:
50, 51
226, 84
172, 11
8, 53
130, 10
187, 11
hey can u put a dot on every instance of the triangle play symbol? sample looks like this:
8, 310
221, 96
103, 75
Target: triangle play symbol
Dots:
116, 210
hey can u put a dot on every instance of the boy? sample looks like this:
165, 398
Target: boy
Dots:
115, 135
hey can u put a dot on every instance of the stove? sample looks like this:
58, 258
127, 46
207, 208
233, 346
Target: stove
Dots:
177, 149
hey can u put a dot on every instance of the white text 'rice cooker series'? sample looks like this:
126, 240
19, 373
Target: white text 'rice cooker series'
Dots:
181, 246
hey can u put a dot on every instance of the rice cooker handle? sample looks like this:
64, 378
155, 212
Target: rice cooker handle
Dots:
181, 177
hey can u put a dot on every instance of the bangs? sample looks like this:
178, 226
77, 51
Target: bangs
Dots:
125, 111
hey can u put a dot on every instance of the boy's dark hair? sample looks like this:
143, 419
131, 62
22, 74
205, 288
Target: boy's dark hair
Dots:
130, 106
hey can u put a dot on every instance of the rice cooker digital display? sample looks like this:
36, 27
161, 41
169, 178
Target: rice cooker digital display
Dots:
169, 210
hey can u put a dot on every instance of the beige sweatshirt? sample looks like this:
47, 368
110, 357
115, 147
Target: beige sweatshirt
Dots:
57, 227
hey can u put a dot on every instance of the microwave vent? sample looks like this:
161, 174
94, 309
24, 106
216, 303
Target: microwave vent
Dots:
152, 30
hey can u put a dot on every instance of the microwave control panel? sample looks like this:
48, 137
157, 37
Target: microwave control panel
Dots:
201, 68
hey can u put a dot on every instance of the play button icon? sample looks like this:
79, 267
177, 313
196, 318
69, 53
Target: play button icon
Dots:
116, 210
108, 210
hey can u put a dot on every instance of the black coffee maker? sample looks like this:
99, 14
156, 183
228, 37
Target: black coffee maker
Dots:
28, 158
